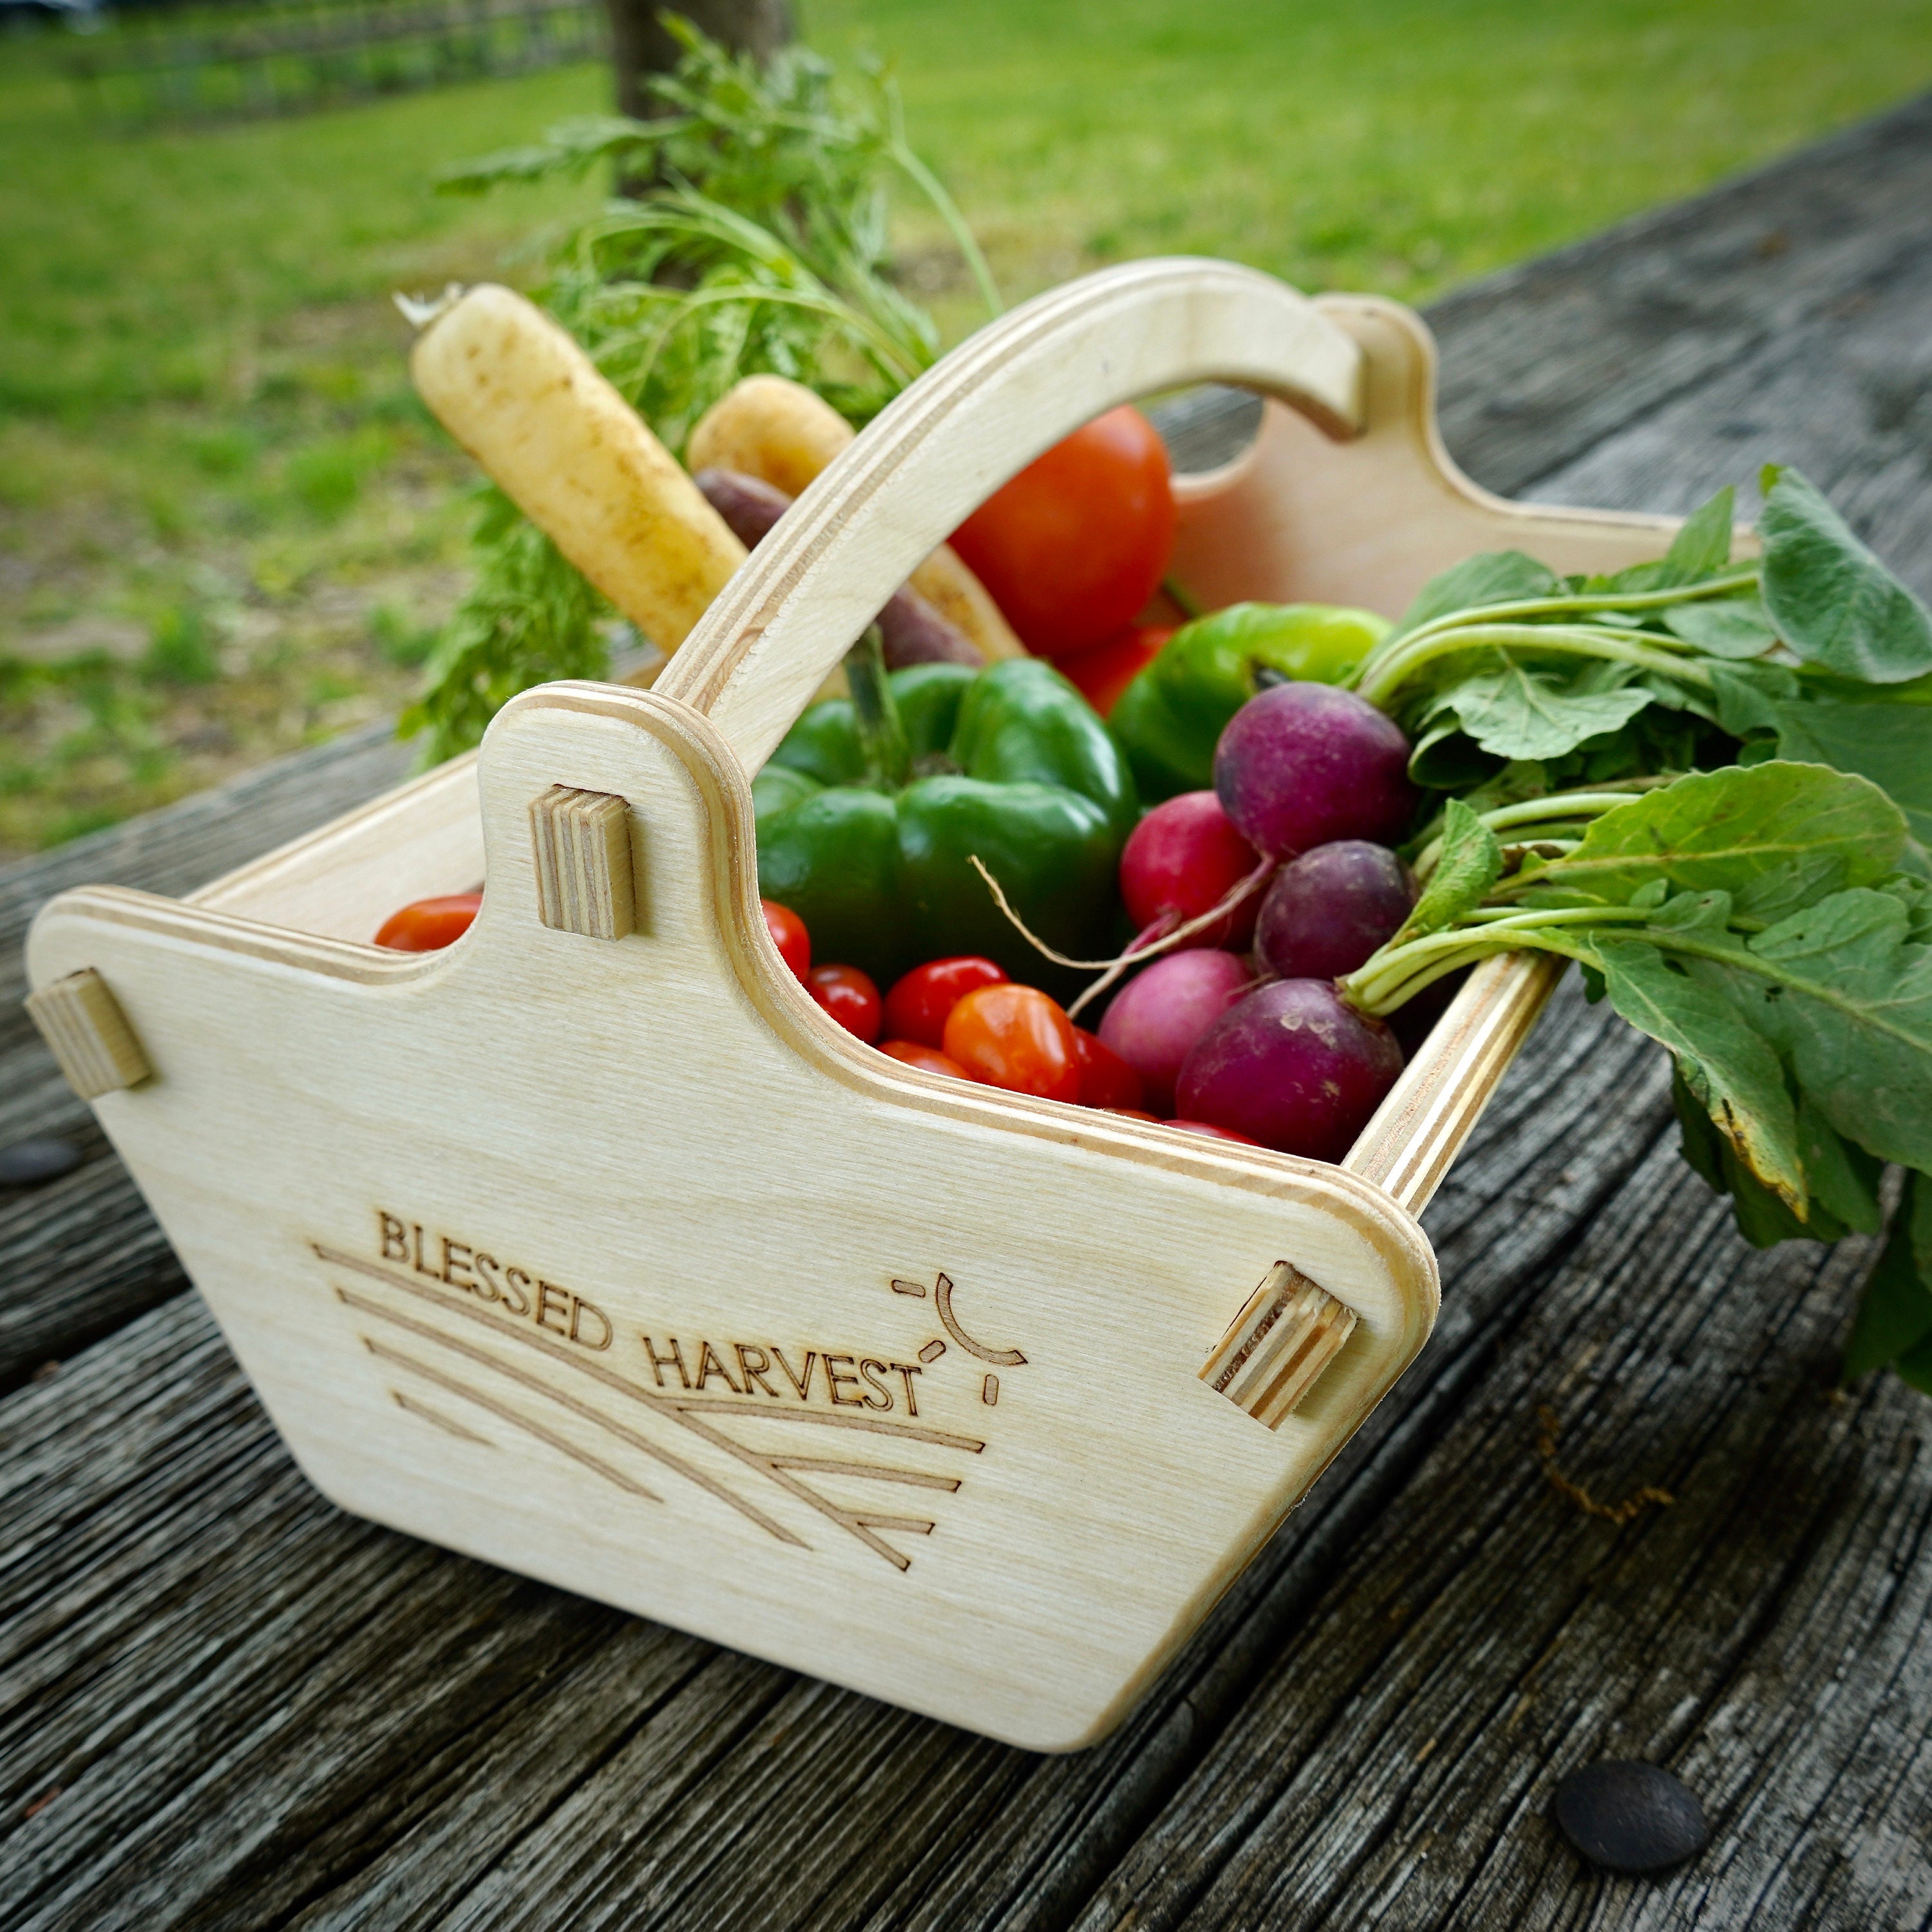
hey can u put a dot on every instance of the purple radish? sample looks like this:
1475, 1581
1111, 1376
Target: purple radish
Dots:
1329, 909
1156, 1017
1180, 862
1293, 1066
910, 630
1303, 765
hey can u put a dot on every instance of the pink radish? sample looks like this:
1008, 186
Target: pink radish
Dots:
1180, 862
1157, 1016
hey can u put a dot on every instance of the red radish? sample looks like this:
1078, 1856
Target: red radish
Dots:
1293, 1066
1328, 910
1157, 1016
1301, 765
1102, 672
1106, 1080
1179, 863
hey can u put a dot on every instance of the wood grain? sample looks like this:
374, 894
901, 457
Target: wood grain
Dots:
488, 1752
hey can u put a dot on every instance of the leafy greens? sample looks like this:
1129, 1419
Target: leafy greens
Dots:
1710, 783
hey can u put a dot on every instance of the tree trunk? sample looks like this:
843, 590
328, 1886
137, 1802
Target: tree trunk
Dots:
639, 46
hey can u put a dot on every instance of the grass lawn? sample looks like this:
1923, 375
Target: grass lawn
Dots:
226, 527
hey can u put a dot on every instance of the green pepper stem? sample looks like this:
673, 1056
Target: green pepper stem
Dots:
882, 738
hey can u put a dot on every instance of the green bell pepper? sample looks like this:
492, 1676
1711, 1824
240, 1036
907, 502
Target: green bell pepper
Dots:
1170, 717
871, 808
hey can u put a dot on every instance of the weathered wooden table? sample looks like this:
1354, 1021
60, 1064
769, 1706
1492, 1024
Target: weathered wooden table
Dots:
222, 1703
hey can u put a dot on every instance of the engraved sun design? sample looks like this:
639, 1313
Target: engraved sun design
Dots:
444, 1368
942, 1300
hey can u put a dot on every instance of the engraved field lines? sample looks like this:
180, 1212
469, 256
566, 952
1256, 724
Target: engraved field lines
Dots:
483, 1377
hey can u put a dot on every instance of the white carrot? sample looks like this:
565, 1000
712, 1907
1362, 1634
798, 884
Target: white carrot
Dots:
520, 394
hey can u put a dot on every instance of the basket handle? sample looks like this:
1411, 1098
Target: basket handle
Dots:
790, 612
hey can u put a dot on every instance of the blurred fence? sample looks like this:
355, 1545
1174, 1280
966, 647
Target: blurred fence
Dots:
231, 64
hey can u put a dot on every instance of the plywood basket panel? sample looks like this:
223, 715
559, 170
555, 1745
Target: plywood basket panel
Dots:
593, 1248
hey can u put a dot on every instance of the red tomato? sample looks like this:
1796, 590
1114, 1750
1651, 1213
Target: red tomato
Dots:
916, 1007
1015, 1037
1211, 1133
789, 936
929, 1057
1102, 672
1079, 540
1106, 1080
427, 925
849, 997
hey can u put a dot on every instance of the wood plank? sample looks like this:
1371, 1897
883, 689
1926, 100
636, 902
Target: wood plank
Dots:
1759, 1634
1549, 359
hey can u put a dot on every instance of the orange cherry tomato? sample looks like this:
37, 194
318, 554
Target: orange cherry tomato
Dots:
1102, 672
1211, 1133
1133, 1114
1079, 540
789, 936
1015, 1037
849, 997
1106, 1080
916, 1007
427, 925
929, 1057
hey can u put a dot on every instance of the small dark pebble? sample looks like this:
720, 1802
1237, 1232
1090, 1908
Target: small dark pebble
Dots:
28, 1163
1628, 1816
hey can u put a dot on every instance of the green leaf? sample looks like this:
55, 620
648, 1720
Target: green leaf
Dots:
1725, 1066
1832, 600
1844, 1176
1701, 549
1470, 863
1895, 1317
1773, 835
1702, 1145
1726, 627
1496, 576
1889, 744
1843, 993
1520, 713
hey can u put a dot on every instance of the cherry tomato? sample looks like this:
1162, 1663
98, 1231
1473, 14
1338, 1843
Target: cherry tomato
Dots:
427, 925
1079, 540
929, 1057
1015, 1037
1102, 672
789, 936
1133, 1114
916, 1007
1210, 1133
849, 997
1106, 1080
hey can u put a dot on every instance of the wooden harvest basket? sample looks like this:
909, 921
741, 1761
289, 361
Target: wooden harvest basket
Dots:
592, 1247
